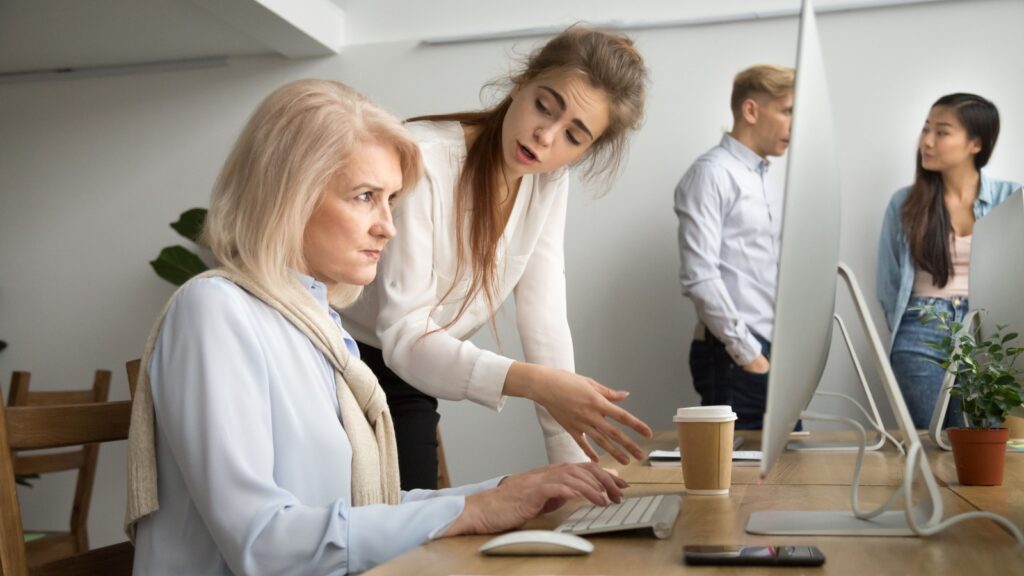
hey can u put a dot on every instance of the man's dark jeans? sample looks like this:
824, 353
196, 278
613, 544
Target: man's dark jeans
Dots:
719, 381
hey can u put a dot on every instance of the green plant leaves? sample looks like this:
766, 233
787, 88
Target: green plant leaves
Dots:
190, 224
177, 264
987, 382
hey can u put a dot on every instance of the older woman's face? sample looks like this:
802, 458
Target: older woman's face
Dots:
349, 228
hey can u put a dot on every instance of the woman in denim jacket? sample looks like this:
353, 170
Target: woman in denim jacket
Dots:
924, 250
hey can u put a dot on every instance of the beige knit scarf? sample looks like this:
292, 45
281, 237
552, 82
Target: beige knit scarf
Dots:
364, 409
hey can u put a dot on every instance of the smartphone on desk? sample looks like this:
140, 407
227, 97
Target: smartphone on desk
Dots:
753, 555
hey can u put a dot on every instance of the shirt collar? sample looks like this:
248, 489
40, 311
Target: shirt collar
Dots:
985, 190
315, 287
745, 155
319, 291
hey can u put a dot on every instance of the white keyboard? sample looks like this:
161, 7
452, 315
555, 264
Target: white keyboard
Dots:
657, 513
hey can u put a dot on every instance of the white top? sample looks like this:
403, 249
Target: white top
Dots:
254, 466
957, 284
397, 311
730, 223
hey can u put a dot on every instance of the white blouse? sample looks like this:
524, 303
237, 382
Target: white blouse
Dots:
254, 466
397, 312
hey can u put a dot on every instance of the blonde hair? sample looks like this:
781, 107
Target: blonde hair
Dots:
762, 79
298, 139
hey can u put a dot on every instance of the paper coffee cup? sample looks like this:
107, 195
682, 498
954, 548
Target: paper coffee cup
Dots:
705, 444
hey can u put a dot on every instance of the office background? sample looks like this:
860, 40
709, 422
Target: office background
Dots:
93, 169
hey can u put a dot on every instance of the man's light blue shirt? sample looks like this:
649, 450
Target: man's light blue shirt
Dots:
730, 216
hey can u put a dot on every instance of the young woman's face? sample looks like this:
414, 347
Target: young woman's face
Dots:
944, 143
552, 122
349, 228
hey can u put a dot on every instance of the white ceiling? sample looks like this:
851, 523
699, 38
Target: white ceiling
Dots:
51, 37
39, 36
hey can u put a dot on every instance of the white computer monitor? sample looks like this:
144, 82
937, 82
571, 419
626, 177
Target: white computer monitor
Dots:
809, 254
805, 304
997, 268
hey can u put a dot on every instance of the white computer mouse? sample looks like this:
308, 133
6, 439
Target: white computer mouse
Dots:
536, 543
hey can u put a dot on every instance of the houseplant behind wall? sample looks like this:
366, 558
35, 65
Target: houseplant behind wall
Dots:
177, 264
988, 385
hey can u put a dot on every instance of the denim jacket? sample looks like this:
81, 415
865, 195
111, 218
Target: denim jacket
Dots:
895, 275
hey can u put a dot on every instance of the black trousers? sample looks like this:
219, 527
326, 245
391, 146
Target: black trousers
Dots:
415, 416
719, 381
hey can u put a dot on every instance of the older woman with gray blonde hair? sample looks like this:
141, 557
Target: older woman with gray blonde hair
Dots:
270, 441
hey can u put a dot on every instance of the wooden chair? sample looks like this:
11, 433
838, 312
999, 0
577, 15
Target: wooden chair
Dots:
132, 368
54, 545
55, 426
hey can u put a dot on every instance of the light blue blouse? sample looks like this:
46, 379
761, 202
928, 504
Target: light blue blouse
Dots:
730, 222
894, 280
254, 466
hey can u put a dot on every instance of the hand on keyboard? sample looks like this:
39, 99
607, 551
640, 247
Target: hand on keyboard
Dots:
520, 497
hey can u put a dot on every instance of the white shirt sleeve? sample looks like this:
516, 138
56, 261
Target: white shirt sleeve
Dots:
542, 318
700, 207
211, 379
414, 346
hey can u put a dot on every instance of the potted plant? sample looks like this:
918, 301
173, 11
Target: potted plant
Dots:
988, 384
177, 264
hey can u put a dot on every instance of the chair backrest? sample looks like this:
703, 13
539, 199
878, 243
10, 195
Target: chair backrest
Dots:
82, 459
132, 367
54, 426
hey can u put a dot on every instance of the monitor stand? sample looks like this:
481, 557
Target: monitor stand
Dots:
971, 321
875, 418
926, 512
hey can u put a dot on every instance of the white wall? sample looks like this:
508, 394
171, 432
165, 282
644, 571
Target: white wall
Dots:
92, 170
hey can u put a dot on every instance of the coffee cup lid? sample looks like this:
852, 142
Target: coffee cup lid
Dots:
705, 414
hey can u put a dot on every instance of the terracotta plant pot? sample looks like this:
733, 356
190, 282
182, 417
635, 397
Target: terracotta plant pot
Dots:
979, 454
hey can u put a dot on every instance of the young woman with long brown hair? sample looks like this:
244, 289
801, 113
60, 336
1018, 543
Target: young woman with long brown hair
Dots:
925, 248
486, 221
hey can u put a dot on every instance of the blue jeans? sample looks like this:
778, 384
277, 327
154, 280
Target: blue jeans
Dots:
719, 381
913, 361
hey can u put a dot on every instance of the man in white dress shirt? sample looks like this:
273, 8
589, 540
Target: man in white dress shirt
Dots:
730, 216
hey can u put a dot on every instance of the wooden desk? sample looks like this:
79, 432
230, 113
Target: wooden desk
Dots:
974, 548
